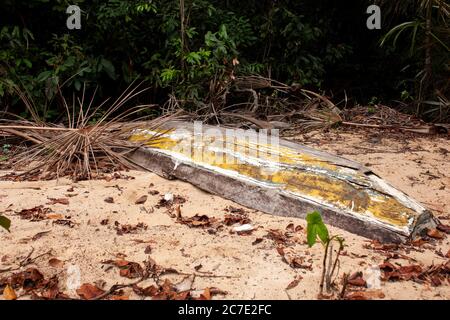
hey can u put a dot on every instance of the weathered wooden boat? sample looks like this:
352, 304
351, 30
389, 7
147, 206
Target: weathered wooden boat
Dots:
280, 177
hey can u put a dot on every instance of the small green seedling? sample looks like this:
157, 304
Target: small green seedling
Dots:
316, 229
5, 223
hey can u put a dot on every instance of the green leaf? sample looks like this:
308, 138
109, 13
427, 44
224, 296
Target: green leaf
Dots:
44, 75
193, 58
27, 63
5, 223
77, 85
316, 227
109, 68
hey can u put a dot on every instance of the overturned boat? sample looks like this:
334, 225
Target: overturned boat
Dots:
263, 172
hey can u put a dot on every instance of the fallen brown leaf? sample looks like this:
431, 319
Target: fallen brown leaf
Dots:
64, 222
436, 234
206, 295
141, 199
29, 279
55, 263
63, 201
365, 295
257, 240
9, 293
357, 280
294, 283
148, 250
128, 228
443, 228
35, 214
109, 200
128, 269
88, 291
197, 221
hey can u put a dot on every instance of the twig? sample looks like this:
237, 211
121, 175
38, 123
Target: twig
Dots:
344, 286
329, 268
38, 128
203, 275
116, 287
288, 295
324, 266
28, 260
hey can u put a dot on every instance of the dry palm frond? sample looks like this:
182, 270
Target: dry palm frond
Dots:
319, 113
83, 148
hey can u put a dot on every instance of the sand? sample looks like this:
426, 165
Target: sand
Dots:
234, 263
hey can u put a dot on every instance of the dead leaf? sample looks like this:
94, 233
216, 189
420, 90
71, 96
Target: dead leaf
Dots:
128, 228
418, 242
9, 293
206, 295
141, 199
31, 278
279, 236
231, 219
51, 290
357, 280
128, 269
443, 228
64, 222
393, 273
257, 240
109, 200
197, 221
294, 283
149, 291
436, 234
88, 291
365, 295
55, 263
37, 213
121, 297
290, 257
63, 201
148, 250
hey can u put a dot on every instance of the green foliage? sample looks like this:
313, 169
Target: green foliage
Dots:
5, 223
316, 228
121, 40
424, 39
306, 42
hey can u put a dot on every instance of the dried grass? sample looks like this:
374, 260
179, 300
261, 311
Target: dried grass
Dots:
84, 147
